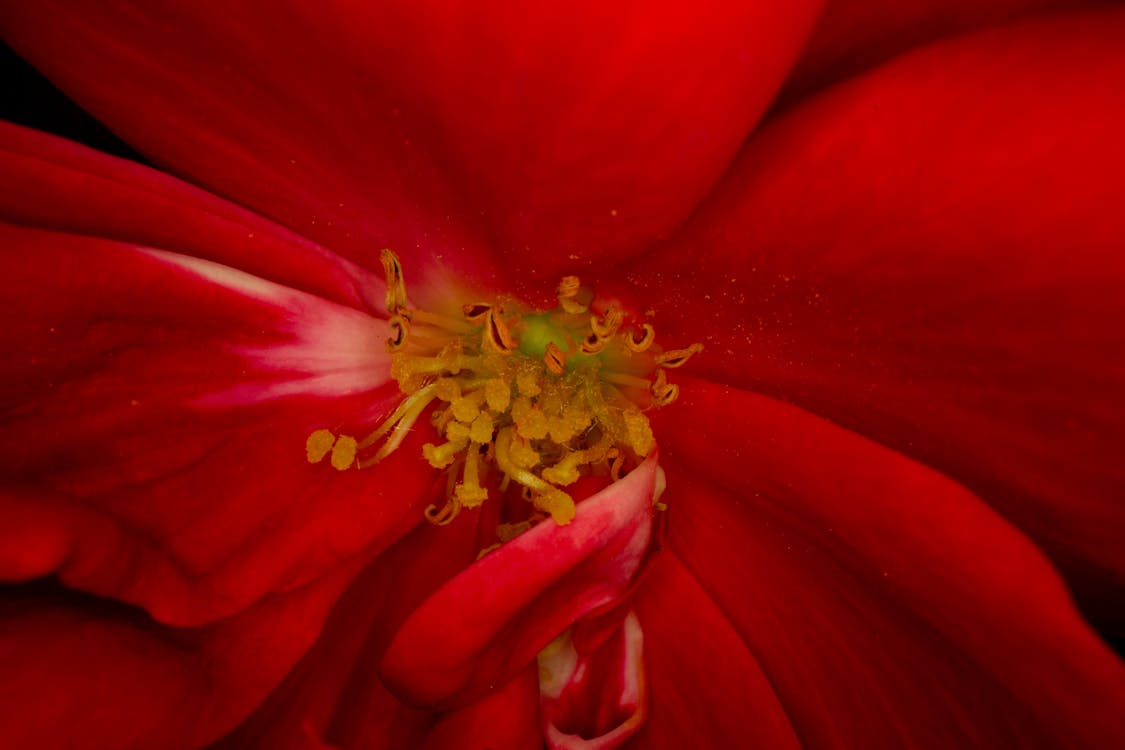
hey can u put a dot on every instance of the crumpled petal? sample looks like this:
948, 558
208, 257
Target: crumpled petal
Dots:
430, 127
887, 605
931, 255
489, 622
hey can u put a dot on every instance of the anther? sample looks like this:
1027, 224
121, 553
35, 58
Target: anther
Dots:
607, 325
396, 284
678, 357
555, 359
400, 331
497, 338
663, 392
639, 341
592, 344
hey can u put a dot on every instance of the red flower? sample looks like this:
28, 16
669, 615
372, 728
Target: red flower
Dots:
908, 416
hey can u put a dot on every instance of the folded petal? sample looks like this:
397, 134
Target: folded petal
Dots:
887, 605
432, 127
487, 624
854, 35
931, 255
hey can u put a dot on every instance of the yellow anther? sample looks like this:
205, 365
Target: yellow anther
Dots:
318, 445
343, 453
396, 284
457, 431
639, 341
565, 471
481, 430
678, 357
469, 492
555, 359
546, 498
442, 456
522, 454
663, 392
530, 420
498, 395
447, 389
527, 383
559, 504
639, 432
544, 414
466, 408
571, 421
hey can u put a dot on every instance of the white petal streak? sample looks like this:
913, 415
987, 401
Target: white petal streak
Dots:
323, 348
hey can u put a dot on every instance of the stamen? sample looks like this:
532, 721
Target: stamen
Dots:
400, 331
555, 359
396, 284
663, 392
607, 325
639, 343
562, 402
678, 357
546, 498
497, 337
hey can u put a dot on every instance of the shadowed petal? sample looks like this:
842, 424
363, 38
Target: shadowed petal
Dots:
854, 35
931, 255
887, 605
430, 126
83, 672
706, 688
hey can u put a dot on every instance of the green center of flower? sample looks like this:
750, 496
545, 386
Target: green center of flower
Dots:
535, 398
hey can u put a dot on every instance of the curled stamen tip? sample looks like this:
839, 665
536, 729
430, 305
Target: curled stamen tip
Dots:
569, 287
396, 284
639, 341
678, 357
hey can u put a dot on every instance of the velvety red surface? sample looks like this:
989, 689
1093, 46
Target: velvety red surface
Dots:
891, 473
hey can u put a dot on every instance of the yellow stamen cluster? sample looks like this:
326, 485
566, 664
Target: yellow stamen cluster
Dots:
541, 397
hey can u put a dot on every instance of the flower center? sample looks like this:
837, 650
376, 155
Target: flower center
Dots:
542, 398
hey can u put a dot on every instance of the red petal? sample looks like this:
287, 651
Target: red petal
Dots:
365, 126
156, 412
489, 623
887, 605
855, 35
932, 255
335, 695
706, 688
86, 673
53, 183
